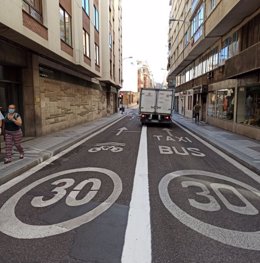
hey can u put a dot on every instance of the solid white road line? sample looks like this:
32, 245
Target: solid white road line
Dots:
35, 169
137, 246
241, 167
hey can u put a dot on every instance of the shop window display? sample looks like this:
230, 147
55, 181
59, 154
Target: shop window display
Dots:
225, 104
249, 106
211, 111
221, 104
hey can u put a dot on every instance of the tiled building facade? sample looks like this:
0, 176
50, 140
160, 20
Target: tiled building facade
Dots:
214, 59
60, 61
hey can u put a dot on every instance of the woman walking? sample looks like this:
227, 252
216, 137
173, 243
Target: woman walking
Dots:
13, 133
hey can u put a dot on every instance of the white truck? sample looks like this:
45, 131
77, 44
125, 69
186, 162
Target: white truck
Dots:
156, 105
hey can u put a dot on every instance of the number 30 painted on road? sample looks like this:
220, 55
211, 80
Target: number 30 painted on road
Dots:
61, 191
240, 239
213, 205
14, 227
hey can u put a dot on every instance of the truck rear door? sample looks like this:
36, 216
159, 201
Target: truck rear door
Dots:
148, 101
164, 101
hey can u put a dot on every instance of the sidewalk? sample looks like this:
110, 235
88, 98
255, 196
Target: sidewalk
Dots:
42, 148
37, 150
241, 148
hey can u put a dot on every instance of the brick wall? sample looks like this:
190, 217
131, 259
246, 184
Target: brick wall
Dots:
64, 105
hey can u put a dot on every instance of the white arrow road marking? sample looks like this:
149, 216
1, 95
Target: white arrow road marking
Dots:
137, 246
168, 131
121, 130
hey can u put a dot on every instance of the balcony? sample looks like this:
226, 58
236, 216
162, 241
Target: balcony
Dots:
220, 22
248, 60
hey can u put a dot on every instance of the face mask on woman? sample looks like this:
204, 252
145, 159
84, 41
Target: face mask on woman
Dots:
11, 110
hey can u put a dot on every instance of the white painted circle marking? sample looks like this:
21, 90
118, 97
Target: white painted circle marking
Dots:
12, 226
245, 240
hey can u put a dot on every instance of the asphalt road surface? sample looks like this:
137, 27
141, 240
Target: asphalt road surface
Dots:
133, 194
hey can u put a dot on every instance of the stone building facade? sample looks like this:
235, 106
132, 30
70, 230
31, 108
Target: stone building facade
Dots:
214, 59
59, 61
145, 77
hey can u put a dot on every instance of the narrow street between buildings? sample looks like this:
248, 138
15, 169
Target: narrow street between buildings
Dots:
133, 194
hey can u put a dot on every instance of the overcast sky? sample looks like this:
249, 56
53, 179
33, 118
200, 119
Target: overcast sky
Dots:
145, 33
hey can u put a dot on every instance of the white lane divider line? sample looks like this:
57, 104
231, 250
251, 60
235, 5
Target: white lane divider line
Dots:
137, 246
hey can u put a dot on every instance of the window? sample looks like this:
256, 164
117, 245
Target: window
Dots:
225, 104
225, 51
209, 66
97, 54
248, 106
197, 24
85, 6
110, 40
111, 73
215, 58
211, 110
212, 4
33, 8
234, 46
86, 43
96, 18
221, 104
186, 39
204, 65
189, 102
65, 27
194, 4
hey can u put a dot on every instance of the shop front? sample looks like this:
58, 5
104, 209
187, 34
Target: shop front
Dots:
234, 107
248, 106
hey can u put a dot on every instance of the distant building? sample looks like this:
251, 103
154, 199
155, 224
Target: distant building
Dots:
60, 61
214, 59
145, 77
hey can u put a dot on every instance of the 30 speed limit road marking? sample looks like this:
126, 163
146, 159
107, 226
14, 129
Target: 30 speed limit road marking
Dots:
245, 240
12, 226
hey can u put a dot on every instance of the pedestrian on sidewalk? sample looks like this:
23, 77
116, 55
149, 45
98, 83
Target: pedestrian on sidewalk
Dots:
122, 109
196, 110
13, 133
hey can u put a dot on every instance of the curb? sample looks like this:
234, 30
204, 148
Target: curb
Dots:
236, 158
